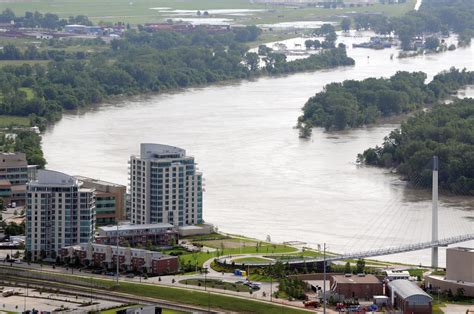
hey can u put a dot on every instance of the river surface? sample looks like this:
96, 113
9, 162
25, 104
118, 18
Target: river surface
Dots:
260, 178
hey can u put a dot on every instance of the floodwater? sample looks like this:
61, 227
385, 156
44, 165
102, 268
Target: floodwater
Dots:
260, 178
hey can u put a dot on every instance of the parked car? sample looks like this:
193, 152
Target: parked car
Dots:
311, 303
130, 275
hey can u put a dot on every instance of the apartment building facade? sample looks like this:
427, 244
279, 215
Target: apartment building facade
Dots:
14, 174
138, 260
59, 213
165, 186
109, 200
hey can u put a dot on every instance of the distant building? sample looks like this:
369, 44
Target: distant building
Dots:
83, 29
459, 272
360, 286
157, 234
165, 186
409, 298
460, 264
14, 174
186, 231
395, 275
109, 200
59, 213
76, 29
138, 260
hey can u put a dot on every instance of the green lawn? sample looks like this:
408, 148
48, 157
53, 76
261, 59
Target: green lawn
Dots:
7, 121
217, 284
251, 260
417, 272
230, 246
138, 11
212, 236
164, 311
198, 298
30, 94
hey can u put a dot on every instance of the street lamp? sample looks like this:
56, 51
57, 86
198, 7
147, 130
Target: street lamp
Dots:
324, 280
208, 292
271, 282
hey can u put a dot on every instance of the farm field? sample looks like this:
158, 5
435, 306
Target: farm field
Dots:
141, 11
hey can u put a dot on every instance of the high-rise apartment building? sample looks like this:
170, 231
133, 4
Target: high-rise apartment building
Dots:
164, 186
59, 213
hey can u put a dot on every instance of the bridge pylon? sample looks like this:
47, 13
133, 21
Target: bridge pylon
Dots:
434, 214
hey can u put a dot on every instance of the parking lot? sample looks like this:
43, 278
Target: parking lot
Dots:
46, 301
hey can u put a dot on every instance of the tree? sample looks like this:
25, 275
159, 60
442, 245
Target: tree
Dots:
432, 43
347, 268
309, 43
360, 266
346, 24
252, 60
263, 50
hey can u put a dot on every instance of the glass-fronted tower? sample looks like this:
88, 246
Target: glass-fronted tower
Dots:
59, 213
164, 186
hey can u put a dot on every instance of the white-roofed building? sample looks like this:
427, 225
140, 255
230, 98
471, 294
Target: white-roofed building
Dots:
156, 234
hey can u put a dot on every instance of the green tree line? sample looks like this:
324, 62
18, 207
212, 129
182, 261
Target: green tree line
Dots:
37, 19
357, 103
447, 131
142, 62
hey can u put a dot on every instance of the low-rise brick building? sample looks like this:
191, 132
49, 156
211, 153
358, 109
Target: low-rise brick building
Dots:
360, 286
100, 255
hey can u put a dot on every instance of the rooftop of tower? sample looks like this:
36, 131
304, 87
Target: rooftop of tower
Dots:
157, 151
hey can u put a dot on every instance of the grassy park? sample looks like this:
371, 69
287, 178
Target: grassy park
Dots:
141, 11
225, 245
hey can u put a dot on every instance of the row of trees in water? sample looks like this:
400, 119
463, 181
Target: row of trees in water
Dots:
356, 103
446, 131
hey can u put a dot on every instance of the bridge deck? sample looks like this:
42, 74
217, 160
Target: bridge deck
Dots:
372, 253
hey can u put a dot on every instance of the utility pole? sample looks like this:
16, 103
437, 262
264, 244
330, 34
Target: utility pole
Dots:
271, 284
117, 254
324, 281
434, 214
